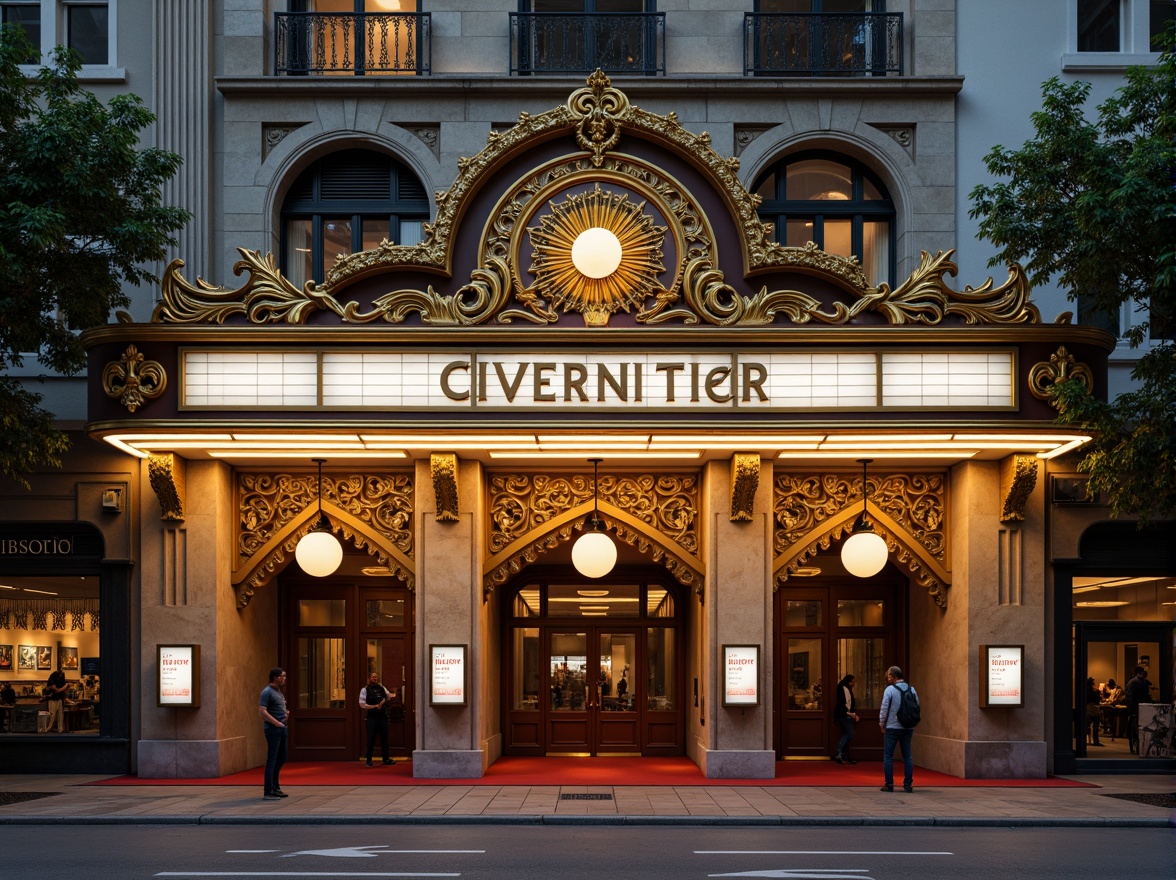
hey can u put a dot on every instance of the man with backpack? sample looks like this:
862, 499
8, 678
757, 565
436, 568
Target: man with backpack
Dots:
897, 717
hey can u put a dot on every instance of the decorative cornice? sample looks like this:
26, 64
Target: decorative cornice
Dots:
132, 380
443, 466
1018, 477
745, 474
167, 473
1061, 366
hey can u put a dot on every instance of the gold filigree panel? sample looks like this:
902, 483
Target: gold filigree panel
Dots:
133, 380
519, 503
1061, 366
803, 503
443, 466
167, 472
1018, 477
745, 474
267, 502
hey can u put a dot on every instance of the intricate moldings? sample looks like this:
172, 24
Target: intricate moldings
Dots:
430, 136
597, 109
444, 468
133, 380
745, 474
1062, 366
274, 135
668, 503
166, 472
804, 504
269, 501
745, 134
634, 280
1017, 479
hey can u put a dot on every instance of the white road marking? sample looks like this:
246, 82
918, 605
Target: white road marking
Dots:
370, 852
247, 851
813, 852
300, 874
804, 874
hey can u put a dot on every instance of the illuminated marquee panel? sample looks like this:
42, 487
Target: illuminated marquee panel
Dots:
804, 380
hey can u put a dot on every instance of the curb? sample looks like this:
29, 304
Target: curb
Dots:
556, 821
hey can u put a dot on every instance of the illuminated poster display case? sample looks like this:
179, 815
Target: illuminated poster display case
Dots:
448, 675
177, 676
1002, 675
741, 675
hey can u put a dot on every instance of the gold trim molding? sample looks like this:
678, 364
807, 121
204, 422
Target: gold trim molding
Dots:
372, 511
133, 380
1062, 366
167, 473
1018, 477
533, 514
745, 474
597, 117
443, 466
812, 511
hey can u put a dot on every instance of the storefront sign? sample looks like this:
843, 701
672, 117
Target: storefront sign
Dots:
450, 675
741, 675
1002, 675
178, 675
657, 380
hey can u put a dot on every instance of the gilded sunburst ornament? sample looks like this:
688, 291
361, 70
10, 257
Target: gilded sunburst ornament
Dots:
630, 246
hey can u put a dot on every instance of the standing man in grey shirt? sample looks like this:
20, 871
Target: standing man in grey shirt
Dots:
894, 732
274, 720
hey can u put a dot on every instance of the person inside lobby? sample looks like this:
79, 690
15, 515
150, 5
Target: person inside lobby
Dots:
1093, 713
1114, 710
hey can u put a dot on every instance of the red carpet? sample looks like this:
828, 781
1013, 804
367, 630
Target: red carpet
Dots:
592, 771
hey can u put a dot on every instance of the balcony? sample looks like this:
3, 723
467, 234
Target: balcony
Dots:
580, 42
351, 44
822, 44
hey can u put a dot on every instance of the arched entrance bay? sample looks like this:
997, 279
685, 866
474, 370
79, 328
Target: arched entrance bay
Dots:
593, 667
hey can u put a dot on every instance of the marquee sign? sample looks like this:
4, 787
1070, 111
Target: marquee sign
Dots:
548, 379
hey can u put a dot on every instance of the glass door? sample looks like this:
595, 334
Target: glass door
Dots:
594, 695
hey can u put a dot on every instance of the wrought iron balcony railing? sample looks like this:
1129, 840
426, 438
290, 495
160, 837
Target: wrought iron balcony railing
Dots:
580, 42
822, 44
351, 44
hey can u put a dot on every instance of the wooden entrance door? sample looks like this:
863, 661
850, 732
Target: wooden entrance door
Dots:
594, 703
824, 632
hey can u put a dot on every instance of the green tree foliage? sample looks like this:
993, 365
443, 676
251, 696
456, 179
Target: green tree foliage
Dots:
1092, 202
80, 216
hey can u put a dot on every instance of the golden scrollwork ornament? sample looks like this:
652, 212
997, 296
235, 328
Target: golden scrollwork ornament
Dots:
133, 380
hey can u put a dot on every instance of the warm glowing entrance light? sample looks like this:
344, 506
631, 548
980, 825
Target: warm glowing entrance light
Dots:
594, 554
319, 552
596, 252
864, 553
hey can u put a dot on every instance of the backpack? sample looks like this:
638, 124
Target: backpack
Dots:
909, 714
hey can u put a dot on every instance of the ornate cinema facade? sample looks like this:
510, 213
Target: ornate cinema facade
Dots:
595, 284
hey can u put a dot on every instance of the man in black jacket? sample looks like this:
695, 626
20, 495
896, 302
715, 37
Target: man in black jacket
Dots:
1137, 691
55, 694
372, 700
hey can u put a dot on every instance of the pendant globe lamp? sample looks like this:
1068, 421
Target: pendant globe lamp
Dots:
594, 554
319, 551
864, 553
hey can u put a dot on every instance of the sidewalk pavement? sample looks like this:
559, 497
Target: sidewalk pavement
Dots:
1118, 801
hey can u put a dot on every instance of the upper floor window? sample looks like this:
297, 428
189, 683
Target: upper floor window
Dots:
834, 202
348, 202
578, 36
1118, 27
86, 27
351, 38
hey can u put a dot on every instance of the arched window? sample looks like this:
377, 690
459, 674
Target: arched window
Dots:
345, 203
835, 202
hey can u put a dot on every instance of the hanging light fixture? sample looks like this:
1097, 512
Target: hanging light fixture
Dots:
319, 551
594, 554
864, 553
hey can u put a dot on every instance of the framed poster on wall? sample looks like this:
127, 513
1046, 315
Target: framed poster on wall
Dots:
448, 675
177, 676
741, 675
1002, 675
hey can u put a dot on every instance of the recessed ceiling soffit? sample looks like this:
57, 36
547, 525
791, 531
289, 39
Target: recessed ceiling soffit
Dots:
666, 218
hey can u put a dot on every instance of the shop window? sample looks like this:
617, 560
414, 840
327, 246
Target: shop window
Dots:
661, 658
835, 203
345, 203
49, 635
